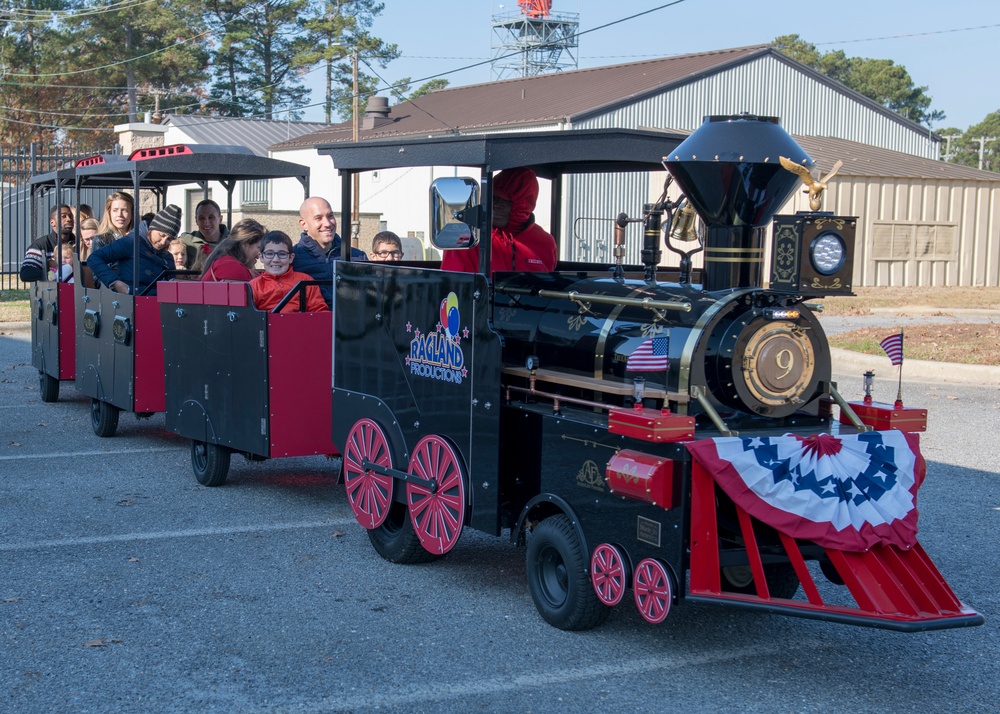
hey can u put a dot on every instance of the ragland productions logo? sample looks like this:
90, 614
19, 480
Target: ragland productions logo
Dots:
438, 354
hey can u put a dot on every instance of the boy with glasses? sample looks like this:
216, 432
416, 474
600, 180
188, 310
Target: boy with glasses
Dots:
270, 287
386, 247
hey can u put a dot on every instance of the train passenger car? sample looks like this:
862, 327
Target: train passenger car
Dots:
53, 327
120, 348
667, 435
53, 320
239, 380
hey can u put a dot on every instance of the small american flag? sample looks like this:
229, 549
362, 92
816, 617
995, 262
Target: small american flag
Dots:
650, 356
893, 346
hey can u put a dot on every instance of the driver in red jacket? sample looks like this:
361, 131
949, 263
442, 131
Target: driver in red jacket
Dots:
518, 242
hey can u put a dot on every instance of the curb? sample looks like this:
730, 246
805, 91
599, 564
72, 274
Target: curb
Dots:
914, 369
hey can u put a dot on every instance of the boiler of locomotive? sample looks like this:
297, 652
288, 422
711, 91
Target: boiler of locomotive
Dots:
750, 353
757, 354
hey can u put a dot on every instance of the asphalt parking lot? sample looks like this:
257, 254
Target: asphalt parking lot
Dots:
127, 587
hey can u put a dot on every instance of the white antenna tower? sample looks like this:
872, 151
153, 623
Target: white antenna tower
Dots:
534, 40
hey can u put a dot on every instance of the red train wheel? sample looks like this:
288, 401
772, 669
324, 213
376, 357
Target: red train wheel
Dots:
652, 590
607, 573
437, 517
369, 493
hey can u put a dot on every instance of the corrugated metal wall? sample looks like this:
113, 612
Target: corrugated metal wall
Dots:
769, 87
973, 206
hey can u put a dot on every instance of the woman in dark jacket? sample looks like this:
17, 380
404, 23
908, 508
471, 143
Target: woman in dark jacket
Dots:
154, 258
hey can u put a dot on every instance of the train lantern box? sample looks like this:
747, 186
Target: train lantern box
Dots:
881, 416
655, 425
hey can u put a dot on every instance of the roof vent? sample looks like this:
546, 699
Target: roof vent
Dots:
376, 113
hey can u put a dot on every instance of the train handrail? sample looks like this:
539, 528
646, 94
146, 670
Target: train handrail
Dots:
584, 299
298, 289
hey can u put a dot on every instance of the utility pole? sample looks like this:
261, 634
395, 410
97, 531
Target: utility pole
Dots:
157, 93
947, 146
982, 148
356, 187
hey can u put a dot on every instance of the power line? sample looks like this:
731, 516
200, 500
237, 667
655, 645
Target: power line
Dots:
913, 34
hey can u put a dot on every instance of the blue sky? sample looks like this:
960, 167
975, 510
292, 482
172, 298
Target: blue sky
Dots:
961, 69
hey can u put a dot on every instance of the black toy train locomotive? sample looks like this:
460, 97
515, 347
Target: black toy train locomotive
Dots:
672, 438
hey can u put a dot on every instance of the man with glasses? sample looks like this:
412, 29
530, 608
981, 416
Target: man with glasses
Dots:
270, 287
386, 248
320, 244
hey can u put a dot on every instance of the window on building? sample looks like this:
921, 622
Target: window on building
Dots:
901, 241
254, 193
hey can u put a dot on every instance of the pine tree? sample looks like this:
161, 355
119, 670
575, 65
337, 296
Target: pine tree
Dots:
337, 29
256, 67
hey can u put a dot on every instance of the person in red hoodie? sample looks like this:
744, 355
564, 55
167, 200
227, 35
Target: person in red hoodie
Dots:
518, 242
270, 287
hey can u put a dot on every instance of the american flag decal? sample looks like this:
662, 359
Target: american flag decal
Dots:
651, 356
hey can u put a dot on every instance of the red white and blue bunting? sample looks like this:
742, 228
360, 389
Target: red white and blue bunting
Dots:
843, 492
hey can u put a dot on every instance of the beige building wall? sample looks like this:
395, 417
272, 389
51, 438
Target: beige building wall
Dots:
919, 232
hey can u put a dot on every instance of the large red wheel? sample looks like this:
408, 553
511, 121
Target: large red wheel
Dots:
369, 493
437, 517
608, 574
652, 590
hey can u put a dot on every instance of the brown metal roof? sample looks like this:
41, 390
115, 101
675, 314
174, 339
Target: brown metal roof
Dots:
539, 100
865, 160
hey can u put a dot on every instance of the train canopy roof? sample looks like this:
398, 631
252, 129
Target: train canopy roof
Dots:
197, 164
548, 153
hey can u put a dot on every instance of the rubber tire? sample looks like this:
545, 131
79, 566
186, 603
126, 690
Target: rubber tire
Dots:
782, 582
103, 418
49, 387
396, 541
559, 577
210, 463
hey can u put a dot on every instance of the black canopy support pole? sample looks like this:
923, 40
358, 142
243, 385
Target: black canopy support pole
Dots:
486, 222
555, 217
230, 186
346, 179
137, 176
304, 180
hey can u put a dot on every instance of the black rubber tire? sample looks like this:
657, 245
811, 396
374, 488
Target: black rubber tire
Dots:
49, 387
210, 463
559, 577
103, 418
396, 541
782, 582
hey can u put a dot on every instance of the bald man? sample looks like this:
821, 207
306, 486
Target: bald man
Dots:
320, 245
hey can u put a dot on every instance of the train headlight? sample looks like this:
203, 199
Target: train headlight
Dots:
812, 254
828, 253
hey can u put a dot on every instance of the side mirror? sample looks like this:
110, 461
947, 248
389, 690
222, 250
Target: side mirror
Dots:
454, 213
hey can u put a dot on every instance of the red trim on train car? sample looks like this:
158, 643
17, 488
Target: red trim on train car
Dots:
892, 588
193, 292
216, 293
147, 345
167, 291
158, 152
190, 291
90, 161
67, 332
705, 574
299, 371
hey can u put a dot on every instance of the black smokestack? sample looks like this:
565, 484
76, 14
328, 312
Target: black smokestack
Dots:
729, 170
